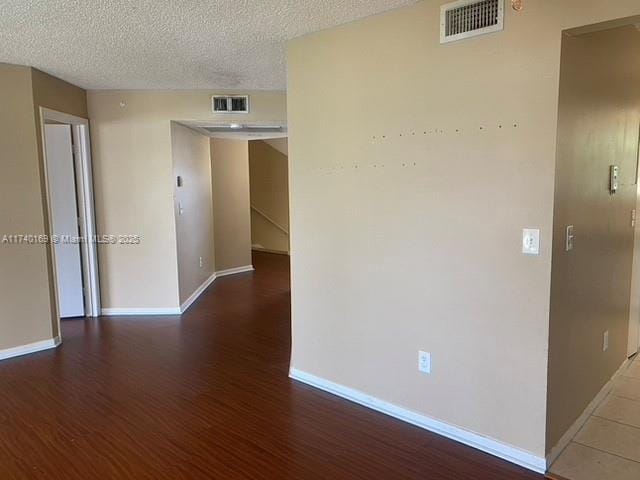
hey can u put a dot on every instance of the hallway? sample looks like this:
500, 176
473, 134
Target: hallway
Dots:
205, 395
608, 445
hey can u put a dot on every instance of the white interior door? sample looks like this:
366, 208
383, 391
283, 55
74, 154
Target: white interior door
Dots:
64, 221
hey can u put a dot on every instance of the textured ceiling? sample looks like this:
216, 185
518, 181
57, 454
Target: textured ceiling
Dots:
160, 44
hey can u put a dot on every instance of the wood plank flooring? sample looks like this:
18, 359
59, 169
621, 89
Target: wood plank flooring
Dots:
205, 396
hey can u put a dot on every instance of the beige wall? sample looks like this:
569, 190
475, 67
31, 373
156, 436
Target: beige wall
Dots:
412, 210
269, 185
280, 144
25, 305
133, 176
56, 94
193, 208
26, 295
232, 220
599, 121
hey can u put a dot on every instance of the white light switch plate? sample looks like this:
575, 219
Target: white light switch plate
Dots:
570, 236
424, 362
531, 241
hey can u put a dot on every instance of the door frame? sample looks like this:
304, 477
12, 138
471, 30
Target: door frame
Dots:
86, 207
633, 346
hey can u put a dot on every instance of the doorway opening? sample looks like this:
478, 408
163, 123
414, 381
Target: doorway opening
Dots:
70, 207
231, 188
269, 195
594, 321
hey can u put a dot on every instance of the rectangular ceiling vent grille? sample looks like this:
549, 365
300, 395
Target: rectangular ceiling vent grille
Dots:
230, 103
238, 128
469, 18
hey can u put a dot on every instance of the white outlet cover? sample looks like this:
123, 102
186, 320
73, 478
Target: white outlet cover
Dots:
424, 362
605, 344
531, 241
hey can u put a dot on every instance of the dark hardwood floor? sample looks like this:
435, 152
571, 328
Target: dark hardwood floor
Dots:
205, 395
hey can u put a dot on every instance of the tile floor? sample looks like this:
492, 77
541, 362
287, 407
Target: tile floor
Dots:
608, 446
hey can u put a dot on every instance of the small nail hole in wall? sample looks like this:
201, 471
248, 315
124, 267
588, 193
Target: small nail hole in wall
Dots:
424, 133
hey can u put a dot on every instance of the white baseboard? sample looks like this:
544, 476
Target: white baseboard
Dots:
187, 303
30, 348
232, 271
582, 419
494, 447
116, 312
113, 312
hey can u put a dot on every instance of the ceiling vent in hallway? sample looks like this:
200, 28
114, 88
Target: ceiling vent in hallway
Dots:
469, 18
230, 103
239, 128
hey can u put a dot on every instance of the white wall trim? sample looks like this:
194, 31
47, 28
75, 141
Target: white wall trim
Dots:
494, 447
582, 419
268, 250
233, 271
111, 312
30, 348
187, 303
269, 219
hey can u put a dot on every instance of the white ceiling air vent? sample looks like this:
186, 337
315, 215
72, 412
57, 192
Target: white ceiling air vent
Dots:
469, 18
230, 103
238, 127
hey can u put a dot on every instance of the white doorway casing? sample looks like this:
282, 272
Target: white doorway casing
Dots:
79, 128
634, 307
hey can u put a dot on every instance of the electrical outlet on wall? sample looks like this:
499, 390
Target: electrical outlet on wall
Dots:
531, 241
605, 341
424, 362
201, 263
